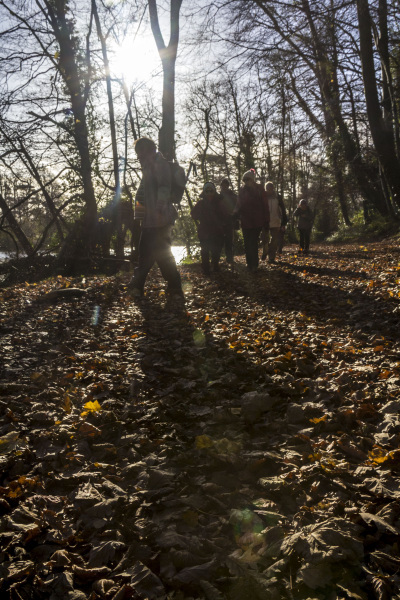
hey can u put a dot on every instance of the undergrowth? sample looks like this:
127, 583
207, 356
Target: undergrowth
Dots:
378, 228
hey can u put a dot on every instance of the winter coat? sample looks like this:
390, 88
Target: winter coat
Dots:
154, 195
277, 211
252, 207
305, 216
229, 199
211, 216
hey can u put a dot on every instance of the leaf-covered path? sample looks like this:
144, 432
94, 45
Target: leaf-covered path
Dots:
244, 445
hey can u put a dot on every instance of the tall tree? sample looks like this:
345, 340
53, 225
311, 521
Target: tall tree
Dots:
55, 12
380, 121
168, 56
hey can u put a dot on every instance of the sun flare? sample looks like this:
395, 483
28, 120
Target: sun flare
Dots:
136, 60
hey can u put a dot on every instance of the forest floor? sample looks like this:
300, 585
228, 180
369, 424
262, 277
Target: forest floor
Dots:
242, 445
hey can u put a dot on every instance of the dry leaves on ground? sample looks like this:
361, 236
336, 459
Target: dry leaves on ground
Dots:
242, 445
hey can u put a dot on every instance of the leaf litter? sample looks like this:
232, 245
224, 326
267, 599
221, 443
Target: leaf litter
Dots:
242, 445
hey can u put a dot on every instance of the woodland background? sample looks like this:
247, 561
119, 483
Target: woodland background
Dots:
307, 93
244, 442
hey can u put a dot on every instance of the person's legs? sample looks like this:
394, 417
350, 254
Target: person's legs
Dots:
273, 243
216, 244
205, 256
302, 239
146, 259
247, 245
165, 259
265, 242
250, 238
281, 241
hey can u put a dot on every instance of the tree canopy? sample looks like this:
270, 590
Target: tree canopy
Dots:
305, 92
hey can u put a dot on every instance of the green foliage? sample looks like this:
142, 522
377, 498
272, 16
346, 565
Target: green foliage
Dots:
378, 227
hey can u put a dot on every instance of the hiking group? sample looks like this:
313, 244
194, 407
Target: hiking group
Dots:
258, 210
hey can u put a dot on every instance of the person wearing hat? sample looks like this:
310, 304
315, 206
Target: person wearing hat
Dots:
305, 222
211, 217
252, 210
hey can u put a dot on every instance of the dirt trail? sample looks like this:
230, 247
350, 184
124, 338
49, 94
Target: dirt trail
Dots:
242, 445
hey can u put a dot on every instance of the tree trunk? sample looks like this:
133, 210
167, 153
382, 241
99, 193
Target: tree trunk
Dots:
75, 244
326, 73
390, 111
119, 249
382, 135
16, 229
49, 200
167, 54
109, 95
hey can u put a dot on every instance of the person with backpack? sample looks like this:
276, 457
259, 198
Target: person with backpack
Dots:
305, 222
158, 216
211, 216
252, 210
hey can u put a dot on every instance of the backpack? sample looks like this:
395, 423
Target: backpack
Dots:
178, 182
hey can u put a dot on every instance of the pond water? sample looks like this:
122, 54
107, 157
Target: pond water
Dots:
179, 253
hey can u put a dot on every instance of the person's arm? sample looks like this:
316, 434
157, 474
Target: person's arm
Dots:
196, 211
284, 218
238, 207
264, 199
139, 201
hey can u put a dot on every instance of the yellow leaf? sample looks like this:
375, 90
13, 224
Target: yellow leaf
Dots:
379, 348
203, 441
91, 407
378, 455
207, 318
319, 420
15, 493
56, 55
67, 404
328, 465
314, 457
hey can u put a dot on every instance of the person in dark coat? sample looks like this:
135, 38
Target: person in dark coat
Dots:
252, 210
211, 217
305, 222
229, 199
158, 214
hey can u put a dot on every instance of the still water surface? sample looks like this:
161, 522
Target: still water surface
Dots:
179, 253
